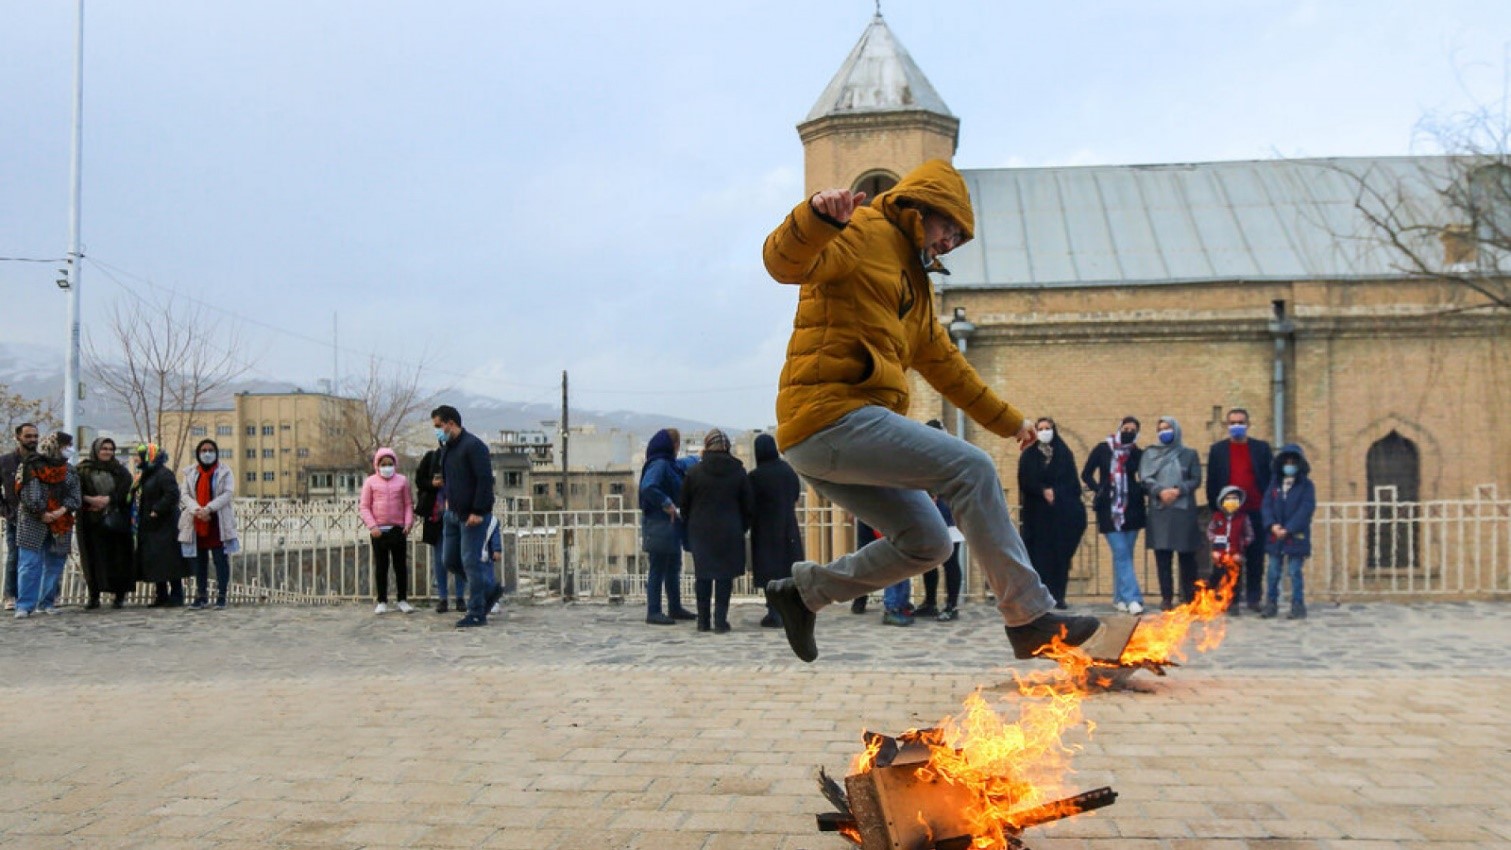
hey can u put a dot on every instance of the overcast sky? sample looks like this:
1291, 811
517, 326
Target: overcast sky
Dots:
519, 188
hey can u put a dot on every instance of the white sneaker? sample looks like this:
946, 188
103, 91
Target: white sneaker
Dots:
52, 611
1135, 608
496, 609
21, 615
381, 609
1121, 606
405, 607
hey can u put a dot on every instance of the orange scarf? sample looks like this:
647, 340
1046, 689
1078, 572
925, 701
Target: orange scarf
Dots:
54, 475
203, 492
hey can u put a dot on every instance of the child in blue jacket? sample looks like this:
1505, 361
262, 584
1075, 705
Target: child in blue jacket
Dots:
1287, 517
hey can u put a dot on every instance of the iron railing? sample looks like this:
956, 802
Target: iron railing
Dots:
318, 552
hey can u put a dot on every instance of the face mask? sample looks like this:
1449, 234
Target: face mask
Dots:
1047, 436
1166, 437
440, 436
1232, 505
1127, 436
207, 458
1290, 469
1237, 431
386, 471
68, 452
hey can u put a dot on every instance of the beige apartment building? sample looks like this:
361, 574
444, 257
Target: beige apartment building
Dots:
280, 445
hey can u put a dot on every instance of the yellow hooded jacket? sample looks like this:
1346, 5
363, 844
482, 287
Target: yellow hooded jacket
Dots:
865, 313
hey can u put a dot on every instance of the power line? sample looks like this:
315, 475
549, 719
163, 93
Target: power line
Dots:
421, 367
32, 260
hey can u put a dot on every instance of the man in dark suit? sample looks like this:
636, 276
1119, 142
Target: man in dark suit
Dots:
1245, 462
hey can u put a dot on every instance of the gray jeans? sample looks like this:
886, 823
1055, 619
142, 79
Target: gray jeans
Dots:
878, 466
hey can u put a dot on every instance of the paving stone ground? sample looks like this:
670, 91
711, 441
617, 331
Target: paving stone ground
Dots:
577, 726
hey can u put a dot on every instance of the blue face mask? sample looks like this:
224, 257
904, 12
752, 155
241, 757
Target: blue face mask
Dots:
440, 436
1237, 432
1166, 437
1290, 469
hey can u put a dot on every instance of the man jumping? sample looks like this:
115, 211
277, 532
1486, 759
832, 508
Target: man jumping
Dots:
865, 316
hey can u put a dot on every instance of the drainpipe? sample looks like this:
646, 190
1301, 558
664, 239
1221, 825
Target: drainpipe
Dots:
1281, 328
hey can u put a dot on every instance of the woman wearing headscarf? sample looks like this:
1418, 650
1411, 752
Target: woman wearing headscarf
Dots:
50, 498
1171, 472
154, 514
1053, 518
661, 528
716, 504
1111, 474
207, 522
105, 525
776, 541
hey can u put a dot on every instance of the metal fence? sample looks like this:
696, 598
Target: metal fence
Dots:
318, 552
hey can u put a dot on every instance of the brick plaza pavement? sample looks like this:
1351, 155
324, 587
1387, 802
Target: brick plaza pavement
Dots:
1368, 726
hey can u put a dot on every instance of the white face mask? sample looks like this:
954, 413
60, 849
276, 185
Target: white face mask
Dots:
1047, 436
68, 452
386, 471
207, 458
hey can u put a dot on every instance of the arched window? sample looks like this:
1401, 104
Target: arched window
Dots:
1393, 475
873, 183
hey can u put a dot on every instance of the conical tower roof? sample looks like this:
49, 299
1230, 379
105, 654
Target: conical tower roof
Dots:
878, 76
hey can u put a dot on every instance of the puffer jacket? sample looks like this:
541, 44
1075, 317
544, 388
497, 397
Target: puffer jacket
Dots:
386, 501
222, 504
865, 314
1290, 508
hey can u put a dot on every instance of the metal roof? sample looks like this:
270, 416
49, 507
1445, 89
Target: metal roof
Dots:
878, 76
1147, 224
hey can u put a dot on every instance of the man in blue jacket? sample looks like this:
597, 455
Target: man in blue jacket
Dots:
1245, 462
467, 478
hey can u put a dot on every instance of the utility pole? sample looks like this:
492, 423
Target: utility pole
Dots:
335, 356
72, 386
568, 580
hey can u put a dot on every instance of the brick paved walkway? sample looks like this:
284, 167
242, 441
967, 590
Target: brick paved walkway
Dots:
1368, 726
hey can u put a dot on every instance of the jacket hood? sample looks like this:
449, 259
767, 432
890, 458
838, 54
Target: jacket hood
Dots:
765, 449
719, 464
1237, 491
384, 453
936, 185
1292, 450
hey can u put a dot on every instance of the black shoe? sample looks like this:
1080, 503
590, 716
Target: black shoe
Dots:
198, 604
659, 619
471, 622
1269, 611
94, 602
771, 621
120, 601
1028, 640
441, 607
783, 597
1061, 606
949, 614
683, 614
1166, 605
460, 604
926, 610
721, 628
1296, 614
1256, 607
703, 626
858, 606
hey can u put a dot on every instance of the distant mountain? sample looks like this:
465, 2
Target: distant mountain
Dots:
37, 373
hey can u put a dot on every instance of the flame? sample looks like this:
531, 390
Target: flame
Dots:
1162, 640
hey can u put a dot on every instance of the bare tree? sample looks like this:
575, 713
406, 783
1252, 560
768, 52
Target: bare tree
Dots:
16, 409
392, 395
1451, 219
167, 356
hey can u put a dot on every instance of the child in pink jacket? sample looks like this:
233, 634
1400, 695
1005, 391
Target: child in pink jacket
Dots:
388, 512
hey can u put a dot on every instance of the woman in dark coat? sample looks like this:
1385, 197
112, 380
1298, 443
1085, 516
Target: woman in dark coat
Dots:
1171, 472
105, 525
776, 541
717, 504
1053, 519
154, 512
1111, 474
429, 503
